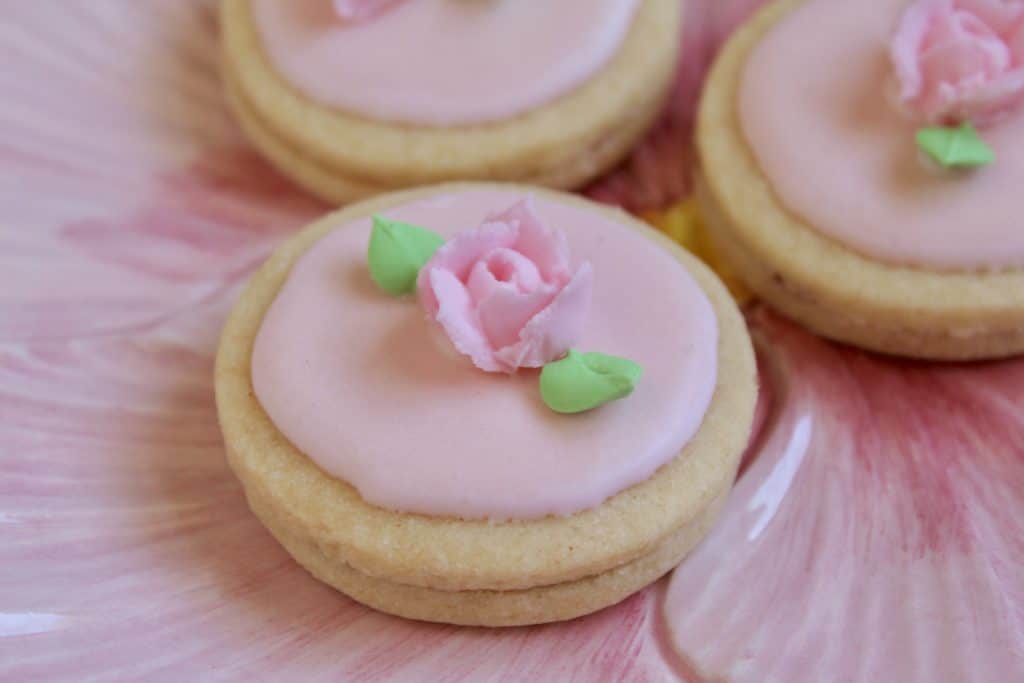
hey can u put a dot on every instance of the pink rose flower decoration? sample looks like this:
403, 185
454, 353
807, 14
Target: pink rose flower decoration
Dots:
505, 293
961, 60
361, 10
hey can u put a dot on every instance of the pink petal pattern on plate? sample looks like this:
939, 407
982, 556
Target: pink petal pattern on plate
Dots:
879, 533
133, 211
658, 172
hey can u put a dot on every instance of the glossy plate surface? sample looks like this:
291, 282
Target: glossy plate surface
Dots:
876, 533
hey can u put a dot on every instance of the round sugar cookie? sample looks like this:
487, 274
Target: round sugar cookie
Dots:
481, 571
827, 285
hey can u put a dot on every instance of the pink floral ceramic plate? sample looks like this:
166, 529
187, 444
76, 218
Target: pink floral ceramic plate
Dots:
876, 532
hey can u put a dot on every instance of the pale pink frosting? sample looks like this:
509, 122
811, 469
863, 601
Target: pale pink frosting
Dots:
840, 156
505, 292
361, 10
442, 62
343, 371
961, 60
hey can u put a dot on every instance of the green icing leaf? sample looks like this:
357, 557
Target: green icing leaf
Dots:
397, 252
955, 147
582, 381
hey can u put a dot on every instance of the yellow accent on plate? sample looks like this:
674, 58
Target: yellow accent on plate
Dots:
682, 222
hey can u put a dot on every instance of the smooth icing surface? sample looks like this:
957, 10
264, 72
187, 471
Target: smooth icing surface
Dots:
814, 107
442, 62
364, 385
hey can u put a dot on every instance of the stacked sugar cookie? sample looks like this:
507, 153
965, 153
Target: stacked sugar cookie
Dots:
425, 91
861, 170
481, 448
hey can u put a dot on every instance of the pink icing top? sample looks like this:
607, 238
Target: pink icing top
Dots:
442, 62
371, 391
838, 152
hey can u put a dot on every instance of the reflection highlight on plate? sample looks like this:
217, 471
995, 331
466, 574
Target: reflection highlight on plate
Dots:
776, 485
877, 534
31, 623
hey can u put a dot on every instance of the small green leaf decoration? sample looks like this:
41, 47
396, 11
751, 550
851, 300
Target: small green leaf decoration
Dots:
955, 147
582, 381
397, 252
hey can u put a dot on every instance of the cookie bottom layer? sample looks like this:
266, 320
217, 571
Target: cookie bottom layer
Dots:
900, 332
830, 289
332, 185
543, 604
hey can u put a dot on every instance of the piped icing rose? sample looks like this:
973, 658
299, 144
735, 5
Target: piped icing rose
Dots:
505, 292
960, 60
361, 10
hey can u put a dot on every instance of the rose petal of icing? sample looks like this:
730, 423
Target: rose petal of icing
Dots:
960, 60
965, 53
455, 314
956, 73
459, 255
547, 248
1001, 15
992, 101
909, 39
505, 269
553, 331
506, 312
482, 282
511, 266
